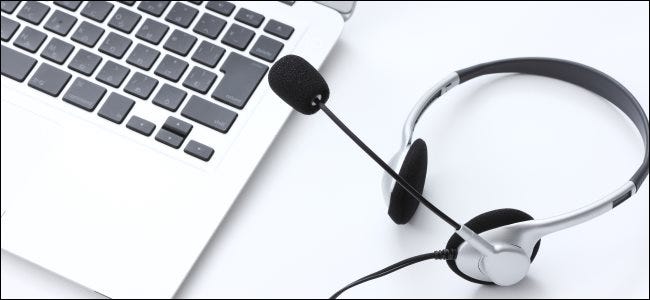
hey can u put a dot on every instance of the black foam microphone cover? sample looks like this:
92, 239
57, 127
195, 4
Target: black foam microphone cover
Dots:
298, 83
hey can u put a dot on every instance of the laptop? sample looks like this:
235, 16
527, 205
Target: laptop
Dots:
130, 127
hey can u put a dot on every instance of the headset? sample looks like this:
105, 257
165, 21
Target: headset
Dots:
495, 247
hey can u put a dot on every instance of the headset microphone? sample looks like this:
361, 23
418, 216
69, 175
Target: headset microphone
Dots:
514, 236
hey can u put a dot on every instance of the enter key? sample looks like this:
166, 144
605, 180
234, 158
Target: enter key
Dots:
243, 75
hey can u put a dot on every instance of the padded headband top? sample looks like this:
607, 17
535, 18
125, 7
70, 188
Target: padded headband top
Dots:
578, 74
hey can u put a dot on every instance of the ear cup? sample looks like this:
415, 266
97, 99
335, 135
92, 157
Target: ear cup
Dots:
402, 206
484, 222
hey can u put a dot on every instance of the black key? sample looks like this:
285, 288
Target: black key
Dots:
115, 45
249, 17
209, 114
169, 97
49, 80
143, 57
238, 37
124, 20
199, 80
208, 54
177, 126
241, 79
97, 10
209, 26
152, 31
181, 15
57, 51
60, 23
199, 150
129, 3
9, 28
140, 125
169, 138
141, 85
9, 6
16, 65
112, 74
85, 62
223, 7
30, 39
84, 94
196, 2
155, 8
87, 34
69, 5
33, 12
278, 29
171, 68
266, 48
180, 42
116, 108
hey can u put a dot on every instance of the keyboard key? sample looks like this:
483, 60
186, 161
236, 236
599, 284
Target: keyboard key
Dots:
140, 125
209, 114
9, 28
60, 23
238, 37
199, 150
87, 34
171, 68
177, 126
112, 74
143, 57
124, 20
69, 5
49, 80
84, 94
152, 31
196, 2
155, 8
222, 7
208, 54
249, 17
181, 15
141, 85
199, 80
180, 42
169, 138
278, 29
16, 65
115, 45
57, 51
97, 10
241, 79
169, 97
116, 108
209, 26
33, 12
30, 39
9, 6
85, 62
266, 48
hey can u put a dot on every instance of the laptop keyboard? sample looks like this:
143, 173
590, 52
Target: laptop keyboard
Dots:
219, 86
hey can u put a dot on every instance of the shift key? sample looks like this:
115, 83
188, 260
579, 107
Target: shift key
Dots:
241, 79
209, 114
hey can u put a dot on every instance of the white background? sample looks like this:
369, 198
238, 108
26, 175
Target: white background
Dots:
312, 217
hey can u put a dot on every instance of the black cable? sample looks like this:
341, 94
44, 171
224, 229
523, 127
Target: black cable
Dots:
445, 254
388, 169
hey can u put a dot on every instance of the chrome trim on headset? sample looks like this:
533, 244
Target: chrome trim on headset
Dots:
526, 234
476, 241
421, 106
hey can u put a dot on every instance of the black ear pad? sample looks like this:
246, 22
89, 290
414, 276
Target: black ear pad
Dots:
402, 206
484, 222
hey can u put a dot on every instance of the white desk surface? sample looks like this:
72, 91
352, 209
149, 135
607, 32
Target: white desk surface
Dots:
312, 217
